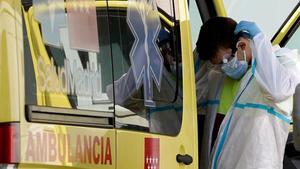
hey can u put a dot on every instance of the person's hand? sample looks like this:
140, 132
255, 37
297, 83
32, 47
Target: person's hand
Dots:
250, 27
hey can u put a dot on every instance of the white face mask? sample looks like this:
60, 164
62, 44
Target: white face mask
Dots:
236, 68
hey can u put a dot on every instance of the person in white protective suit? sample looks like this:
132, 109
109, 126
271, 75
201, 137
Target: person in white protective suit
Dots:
215, 91
209, 84
255, 129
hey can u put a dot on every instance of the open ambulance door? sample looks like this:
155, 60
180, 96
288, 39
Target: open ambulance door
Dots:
154, 88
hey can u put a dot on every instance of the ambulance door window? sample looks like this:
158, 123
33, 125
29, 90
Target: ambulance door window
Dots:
268, 14
147, 74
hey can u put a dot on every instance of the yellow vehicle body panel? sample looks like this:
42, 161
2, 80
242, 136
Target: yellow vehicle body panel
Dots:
169, 148
52, 146
10, 60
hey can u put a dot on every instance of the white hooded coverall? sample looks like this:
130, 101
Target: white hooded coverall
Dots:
254, 132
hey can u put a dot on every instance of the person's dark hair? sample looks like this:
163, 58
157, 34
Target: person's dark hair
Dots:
215, 33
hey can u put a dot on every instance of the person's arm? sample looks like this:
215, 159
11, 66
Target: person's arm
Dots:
273, 77
124, 88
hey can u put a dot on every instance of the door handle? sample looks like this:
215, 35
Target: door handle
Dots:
185, 159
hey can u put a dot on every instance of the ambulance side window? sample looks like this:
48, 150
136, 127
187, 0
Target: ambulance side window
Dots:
147, 73
69, 64
96, 66
98, 62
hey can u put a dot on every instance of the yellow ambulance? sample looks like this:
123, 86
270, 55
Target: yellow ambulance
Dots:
75, 92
